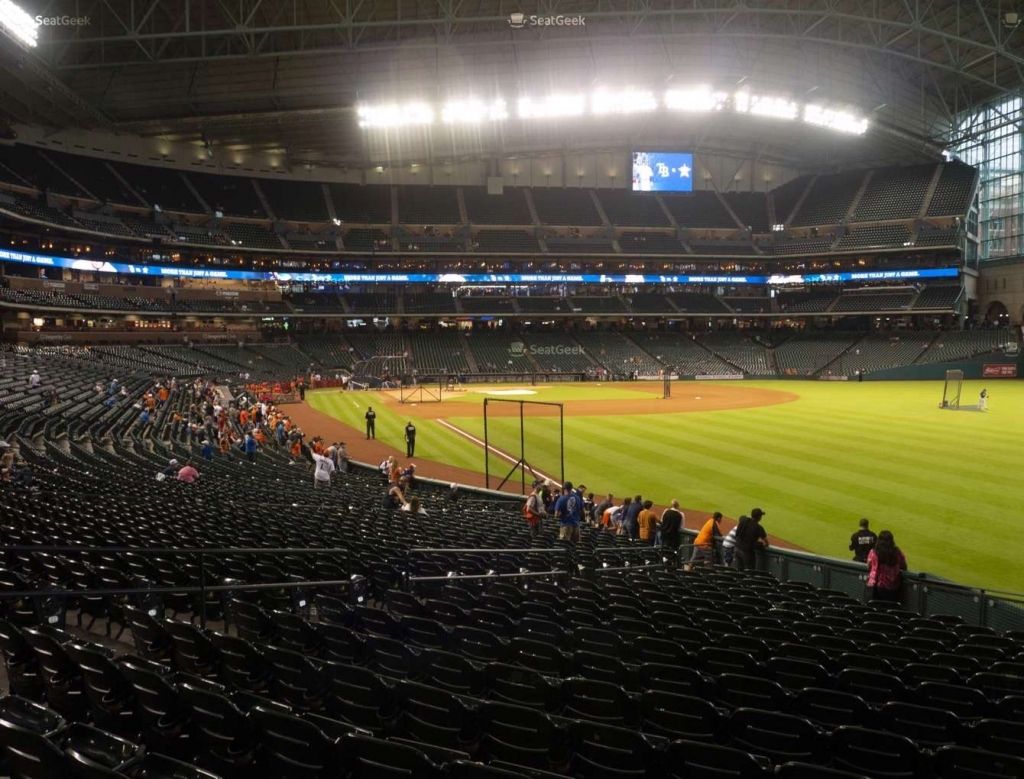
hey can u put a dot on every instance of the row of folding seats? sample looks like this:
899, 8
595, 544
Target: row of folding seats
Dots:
291, 713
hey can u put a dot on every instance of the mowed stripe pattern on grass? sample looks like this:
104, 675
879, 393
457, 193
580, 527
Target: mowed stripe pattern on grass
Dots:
433, 442
944, 482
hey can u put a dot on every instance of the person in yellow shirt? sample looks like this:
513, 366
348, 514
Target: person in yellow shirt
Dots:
648, 523
704, 543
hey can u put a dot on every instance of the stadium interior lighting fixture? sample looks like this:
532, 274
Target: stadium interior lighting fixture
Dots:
395, 115
833, 119
552, 106
623, 101
19, 23
775, 107
701, 99
473, 111
610, 102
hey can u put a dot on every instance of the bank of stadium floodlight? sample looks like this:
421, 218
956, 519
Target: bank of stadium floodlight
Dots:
773, 107
700, 100
474, 111
624, 102
387, 115
553, 106
834, 119
19, 23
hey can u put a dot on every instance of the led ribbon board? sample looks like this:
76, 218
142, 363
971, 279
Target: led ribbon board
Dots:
777, 280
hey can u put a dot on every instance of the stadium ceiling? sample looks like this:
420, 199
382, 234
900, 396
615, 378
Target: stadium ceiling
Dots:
286, 74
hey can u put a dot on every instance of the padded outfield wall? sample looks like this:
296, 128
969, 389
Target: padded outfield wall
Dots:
973, 368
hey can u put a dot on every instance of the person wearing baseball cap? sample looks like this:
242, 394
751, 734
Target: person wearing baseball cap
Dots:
750, 536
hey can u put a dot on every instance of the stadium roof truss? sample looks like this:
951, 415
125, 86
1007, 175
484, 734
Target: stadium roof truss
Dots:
151, 66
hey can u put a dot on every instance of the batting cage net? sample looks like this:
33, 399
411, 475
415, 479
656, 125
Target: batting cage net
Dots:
379, 371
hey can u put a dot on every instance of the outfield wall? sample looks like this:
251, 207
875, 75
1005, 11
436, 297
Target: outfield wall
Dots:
972, 368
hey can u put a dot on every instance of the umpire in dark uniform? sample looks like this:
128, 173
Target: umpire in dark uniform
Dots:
371, 423
410, 439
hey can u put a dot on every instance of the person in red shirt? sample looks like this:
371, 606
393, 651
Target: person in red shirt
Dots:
188, 473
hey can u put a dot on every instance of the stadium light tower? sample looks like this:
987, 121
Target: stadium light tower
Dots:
19, 23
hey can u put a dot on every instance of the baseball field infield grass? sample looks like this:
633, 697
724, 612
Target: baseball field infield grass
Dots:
947, 483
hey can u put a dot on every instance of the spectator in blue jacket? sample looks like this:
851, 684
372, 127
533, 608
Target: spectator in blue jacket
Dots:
251, 446
630, 518
569, 513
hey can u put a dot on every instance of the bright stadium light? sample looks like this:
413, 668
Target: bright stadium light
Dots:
552, 106
19, 23
388, 115
834, 119
473, 111
700, 99
774, 107
622, 101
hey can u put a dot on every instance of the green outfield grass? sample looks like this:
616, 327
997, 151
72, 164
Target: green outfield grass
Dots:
946, 483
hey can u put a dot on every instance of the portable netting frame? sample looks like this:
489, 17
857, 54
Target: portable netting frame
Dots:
666, 381
521, 464
951, 390
428, 392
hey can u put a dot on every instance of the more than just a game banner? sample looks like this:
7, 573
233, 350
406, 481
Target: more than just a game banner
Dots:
719, 376
1005, 370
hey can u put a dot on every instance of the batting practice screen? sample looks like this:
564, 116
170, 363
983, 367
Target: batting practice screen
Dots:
524, 440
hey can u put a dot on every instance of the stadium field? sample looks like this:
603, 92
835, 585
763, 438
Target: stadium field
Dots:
816, 456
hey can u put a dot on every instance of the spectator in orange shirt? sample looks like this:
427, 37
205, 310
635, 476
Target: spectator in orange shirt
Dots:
704, 543
648, 523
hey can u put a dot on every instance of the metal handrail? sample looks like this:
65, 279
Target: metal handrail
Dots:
562, 550
467, 576
190, 589
201, 550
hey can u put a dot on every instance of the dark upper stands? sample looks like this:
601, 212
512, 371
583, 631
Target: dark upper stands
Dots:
300, 201
877, 236
428, 205
369, 204
164, 187
231, 195
889, 194
751, 208
721, 246
953, 193
625, 208
786, 197
894, 193
508, 208
563, 244
802, 244
649, 243
27, 166
93, 174
364, 240
572, 207
829, 199
504, 241
699, 209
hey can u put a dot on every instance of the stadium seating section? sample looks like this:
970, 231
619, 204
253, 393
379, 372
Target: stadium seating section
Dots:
822, 202
828, 199
330, 662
